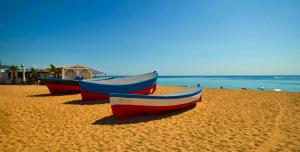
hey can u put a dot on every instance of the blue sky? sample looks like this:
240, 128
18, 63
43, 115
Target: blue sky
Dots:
174, 37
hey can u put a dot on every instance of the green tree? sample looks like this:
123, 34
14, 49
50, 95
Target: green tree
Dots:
14, 70
55, 72
33, 75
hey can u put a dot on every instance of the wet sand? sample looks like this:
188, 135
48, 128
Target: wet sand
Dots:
226, 120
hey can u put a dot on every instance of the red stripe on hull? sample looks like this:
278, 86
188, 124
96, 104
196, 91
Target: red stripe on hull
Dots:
125, 111
62, 88
93, 96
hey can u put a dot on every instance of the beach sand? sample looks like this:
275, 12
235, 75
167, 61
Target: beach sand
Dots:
225, 120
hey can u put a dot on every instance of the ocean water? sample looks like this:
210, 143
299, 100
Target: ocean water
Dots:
267, 83
284, 83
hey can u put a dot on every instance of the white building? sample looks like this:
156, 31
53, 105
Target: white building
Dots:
77, 72
67, 72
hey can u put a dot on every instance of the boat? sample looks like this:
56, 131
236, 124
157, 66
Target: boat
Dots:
277, 90
128, 105
64, 86
99, 90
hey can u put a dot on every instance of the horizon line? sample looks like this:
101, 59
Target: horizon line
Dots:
280, 75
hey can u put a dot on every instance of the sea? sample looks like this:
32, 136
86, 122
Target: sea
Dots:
265, 83
268, 83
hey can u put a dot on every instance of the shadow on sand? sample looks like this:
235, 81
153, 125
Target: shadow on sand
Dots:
110, 120
90, 102
49, 95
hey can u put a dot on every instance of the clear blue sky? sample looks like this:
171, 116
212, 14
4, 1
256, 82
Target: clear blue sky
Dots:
174, 37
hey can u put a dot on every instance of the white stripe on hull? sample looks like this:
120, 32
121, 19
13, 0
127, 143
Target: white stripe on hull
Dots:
152, 102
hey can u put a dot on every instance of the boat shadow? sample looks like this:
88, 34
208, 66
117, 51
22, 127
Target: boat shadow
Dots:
90, 102
111, 120
49, 95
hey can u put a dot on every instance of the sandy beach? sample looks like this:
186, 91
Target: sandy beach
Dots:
226, 120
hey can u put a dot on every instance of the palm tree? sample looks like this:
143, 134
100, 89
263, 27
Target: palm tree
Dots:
13, 69
54, 71
33, 74
32, 70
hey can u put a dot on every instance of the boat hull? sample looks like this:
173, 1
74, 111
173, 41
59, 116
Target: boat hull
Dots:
125, 111
62, 88
126, 105
85, 95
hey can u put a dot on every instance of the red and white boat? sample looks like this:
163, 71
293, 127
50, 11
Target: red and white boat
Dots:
127, 105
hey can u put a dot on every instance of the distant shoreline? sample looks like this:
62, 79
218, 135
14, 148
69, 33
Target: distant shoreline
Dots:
163, 76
